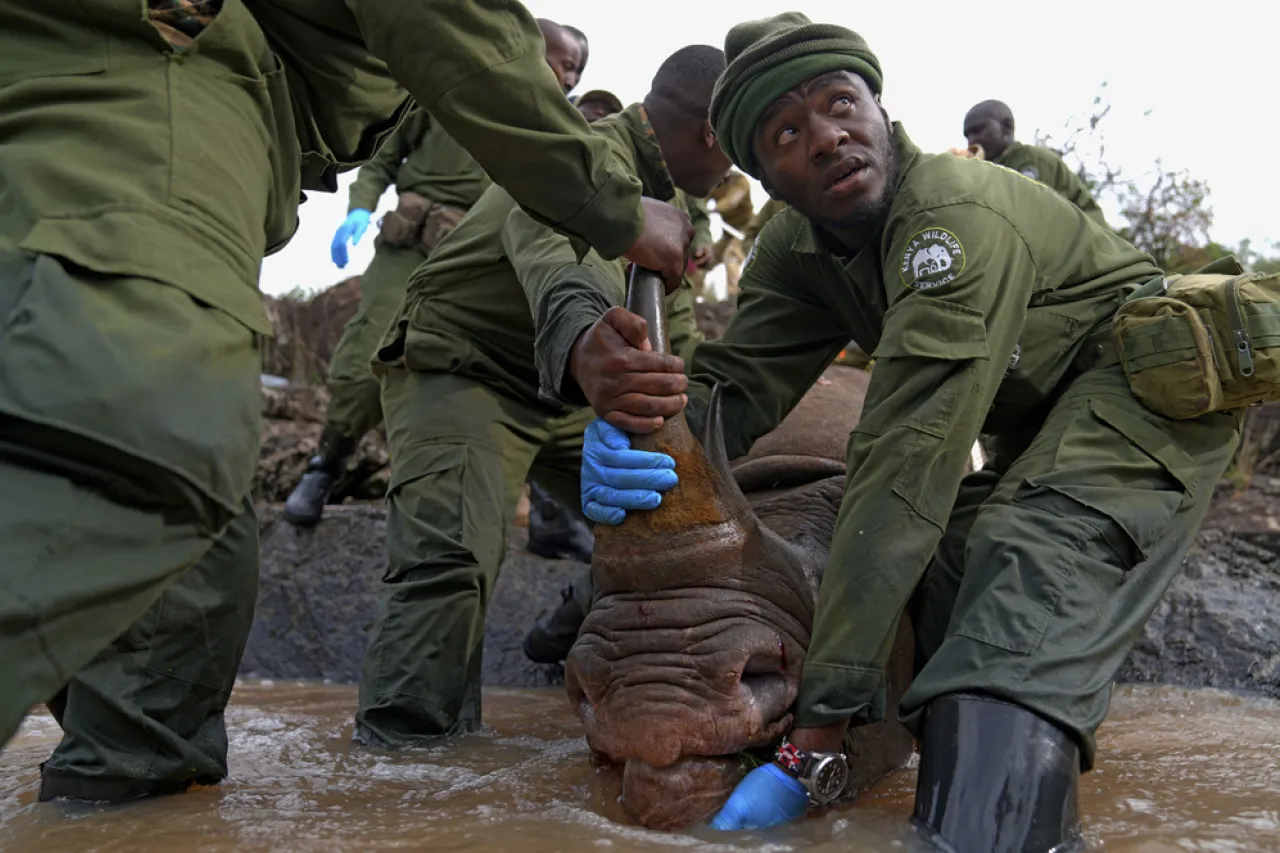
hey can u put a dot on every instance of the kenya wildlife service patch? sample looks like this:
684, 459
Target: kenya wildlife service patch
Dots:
933, 258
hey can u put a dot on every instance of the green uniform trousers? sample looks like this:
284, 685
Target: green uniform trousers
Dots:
460, 455
1049, 570
128, 435
354, 404
149, 709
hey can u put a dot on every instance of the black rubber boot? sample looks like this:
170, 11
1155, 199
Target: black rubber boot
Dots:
996, 778
305, 504
550, 639
109, 789
554, 531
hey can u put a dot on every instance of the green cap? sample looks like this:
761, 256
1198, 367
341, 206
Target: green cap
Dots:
768, 58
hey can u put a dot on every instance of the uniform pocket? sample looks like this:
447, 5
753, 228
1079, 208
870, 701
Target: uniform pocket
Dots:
1129, 498
429, 491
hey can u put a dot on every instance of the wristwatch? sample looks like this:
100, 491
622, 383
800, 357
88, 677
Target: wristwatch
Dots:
823, 774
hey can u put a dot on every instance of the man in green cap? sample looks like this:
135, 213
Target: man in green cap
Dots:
437, 182
990, 125
470, 412
153, 153
986, 300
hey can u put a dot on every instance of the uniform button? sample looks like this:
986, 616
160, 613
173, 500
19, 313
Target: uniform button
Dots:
1098, 350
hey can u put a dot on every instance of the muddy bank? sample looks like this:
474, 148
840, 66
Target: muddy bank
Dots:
319, 593
1216, 627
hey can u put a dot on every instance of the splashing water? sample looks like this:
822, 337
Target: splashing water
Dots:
1178, 771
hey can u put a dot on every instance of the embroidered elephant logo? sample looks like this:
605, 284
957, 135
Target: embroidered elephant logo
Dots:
929, 261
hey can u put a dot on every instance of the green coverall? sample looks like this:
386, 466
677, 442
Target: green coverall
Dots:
420, 158
1045, 166
467, 422
986, 302
142, 186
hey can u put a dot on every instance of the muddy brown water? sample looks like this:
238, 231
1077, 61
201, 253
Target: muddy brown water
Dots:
1179, 770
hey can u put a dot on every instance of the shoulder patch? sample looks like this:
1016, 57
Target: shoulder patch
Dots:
1031, 172
932, 258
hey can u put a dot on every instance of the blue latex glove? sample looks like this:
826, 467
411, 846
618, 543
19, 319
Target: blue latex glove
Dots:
616, 478
766, 797
352, 228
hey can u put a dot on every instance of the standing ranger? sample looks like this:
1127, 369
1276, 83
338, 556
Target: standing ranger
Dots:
437, 182
468, 418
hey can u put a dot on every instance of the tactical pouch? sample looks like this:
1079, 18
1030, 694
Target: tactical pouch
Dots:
1200, 343
441, 219
401, 227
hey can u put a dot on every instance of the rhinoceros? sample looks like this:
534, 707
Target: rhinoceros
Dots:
692, 652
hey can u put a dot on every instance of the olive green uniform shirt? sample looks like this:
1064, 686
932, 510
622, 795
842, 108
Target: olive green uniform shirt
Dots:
1043, 165
420, 157
771, 208
501, 281
974, 299
198, 156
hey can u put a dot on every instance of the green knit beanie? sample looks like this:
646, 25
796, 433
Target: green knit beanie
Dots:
768, 58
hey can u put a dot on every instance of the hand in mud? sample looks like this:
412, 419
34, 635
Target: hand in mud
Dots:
766, 797
664, 243
616, 478
625, 381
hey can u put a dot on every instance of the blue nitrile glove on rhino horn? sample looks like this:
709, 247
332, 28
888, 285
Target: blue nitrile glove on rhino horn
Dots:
616, 478
767, 796
352, 228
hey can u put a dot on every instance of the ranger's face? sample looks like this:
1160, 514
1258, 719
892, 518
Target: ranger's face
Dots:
986, 131
824, 148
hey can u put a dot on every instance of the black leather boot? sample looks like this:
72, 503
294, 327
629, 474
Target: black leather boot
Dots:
996, 778
554, 531
551, 638
305, 504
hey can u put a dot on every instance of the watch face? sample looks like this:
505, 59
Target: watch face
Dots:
829, 778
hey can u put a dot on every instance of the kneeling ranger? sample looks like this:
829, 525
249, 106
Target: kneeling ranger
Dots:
988, 303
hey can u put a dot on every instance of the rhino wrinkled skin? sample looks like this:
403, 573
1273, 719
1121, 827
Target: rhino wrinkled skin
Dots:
693, 648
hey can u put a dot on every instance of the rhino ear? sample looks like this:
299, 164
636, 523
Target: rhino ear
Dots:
713, 446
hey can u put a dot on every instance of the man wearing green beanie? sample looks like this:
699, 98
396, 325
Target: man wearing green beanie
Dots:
986, 300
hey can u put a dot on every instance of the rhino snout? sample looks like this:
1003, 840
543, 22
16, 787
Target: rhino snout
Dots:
702, 672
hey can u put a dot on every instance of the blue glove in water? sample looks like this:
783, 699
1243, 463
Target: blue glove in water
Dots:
352, 228
767, 797
616, 478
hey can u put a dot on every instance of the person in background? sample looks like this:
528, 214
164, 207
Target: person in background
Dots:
989, 125
437, 182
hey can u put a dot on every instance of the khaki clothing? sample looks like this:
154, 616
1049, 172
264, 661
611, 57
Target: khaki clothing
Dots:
733, 200
1045, 166
471, 413
502, 280
771, 208
981, 301
420, 157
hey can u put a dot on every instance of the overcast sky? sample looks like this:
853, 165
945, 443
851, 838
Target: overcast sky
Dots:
1208, 73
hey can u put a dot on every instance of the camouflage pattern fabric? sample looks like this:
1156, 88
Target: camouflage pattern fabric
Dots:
180, 21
